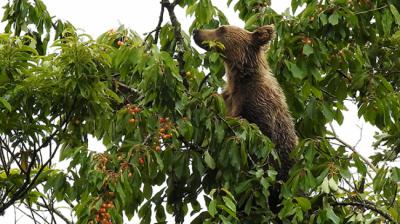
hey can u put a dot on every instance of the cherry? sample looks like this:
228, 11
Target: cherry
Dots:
141, 161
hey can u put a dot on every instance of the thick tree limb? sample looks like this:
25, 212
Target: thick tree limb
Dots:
158, 28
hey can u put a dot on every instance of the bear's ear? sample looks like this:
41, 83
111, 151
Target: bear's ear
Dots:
262, 35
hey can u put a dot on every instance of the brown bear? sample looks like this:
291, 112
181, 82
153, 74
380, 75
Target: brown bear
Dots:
252, 92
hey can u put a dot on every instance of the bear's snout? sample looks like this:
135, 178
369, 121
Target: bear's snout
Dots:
198, 39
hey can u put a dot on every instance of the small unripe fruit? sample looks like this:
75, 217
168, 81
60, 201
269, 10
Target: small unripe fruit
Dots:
132, 120
120, 43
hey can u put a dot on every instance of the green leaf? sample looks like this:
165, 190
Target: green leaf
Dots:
324, 19
160, 213
333, 185
243, 186
296, 71
360, 164
229, 203
387, 21
334, 19
325, 186
265, 186
379, 180
185, 129
219, 133
212, 208
234, 156
121, 192
395, 14
197, 163
331, 215
250, 22
209, 160
304, 203
307, 49
224, 219
396, 174
113, 95
5, 104
147, 191
327, 112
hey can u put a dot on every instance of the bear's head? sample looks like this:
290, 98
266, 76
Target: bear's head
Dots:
241, 47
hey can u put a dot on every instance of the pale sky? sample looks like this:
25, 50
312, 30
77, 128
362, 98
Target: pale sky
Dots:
98, 16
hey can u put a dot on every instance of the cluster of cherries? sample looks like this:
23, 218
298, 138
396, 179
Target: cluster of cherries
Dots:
165, 126
133, 110
102, 215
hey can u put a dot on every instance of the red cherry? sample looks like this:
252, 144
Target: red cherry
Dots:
141, 161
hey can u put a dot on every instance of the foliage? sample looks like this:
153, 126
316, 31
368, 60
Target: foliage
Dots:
154, 104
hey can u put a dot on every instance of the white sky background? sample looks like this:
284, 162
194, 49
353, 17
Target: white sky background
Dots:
95, 17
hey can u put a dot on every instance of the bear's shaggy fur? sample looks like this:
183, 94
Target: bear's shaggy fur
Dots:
252, 92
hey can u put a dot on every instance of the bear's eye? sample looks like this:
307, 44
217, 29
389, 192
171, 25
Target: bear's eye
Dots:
221, 29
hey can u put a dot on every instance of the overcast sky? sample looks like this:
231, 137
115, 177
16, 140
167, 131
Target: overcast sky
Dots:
97, 16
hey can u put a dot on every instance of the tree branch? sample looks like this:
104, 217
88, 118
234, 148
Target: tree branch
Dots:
369, 206
371, 10
179, 39
28, 184
125, 89
157, 29
352, 148
58, 213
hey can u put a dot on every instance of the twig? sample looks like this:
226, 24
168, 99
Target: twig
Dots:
58, 213
179, 39
33, 215
371, 10
343, 74
44, 201
125, 89
352, 148
328, 93
361, 135
369, 206
203, 81
26, 214
28, 184
157, 29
